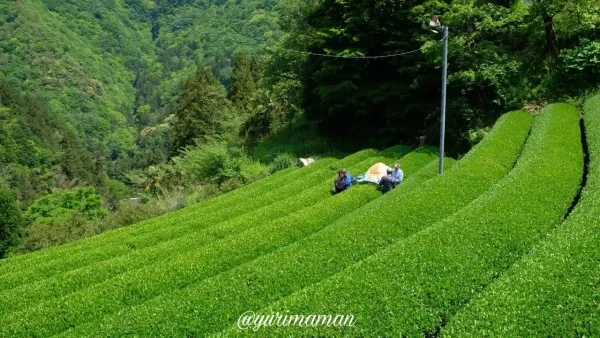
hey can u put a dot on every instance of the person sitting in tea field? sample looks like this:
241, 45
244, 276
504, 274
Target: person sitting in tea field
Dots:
398, 174
387, 182
343, 181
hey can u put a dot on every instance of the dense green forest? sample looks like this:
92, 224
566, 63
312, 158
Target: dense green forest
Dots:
174, 101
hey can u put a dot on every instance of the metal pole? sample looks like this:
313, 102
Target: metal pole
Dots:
443, 117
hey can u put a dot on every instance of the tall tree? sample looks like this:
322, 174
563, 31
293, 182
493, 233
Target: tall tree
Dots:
365, 99
243, 86
496, 63
202, 110
11, 220
256, 71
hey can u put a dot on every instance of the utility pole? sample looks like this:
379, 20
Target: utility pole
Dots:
436, 27
444, 81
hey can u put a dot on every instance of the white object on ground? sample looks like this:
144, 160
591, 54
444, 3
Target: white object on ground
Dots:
307, 161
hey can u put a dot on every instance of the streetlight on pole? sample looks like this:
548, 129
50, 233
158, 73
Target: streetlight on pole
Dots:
436, 27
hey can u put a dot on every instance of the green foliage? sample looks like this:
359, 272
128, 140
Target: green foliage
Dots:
283, 161
553, 291
342, 94
203, 107
504, 142
62, 204
88, 94
82, 56
240, 195
267, 221
438, 271
266, 117
116, 190
215, 162
43, 235
336, 247
11, 220
302, 140
55, 231
36, 146
502, 54
243, 85
208, 33
159, 180
256, 69
583, 59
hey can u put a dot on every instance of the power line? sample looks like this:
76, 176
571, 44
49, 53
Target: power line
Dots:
150, 20
358, 56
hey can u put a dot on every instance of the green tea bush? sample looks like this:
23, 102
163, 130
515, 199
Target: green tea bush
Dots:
414, 286
309, 219
210, 305
116, 247
237, 196
199, 263
554, 291
167, 247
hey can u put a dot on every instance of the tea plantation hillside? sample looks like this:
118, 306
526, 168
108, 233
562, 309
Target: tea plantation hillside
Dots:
489, 248
553, 291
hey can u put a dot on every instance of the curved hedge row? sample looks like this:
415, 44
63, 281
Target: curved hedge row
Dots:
212, 304
63, 278
555, 291
120, 241
414, 286
289, 229
246, 191
57, 314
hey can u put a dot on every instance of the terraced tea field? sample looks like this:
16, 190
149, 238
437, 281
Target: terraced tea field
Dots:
489, 248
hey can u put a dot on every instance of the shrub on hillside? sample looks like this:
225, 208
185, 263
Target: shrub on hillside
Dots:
76, 226
67, 228
217, 163
114, 192
283, 161
63, 204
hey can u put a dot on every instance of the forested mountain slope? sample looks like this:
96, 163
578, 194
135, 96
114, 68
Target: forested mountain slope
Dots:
106, 66
89, 89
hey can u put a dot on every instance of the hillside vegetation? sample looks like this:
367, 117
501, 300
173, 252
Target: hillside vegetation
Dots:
152, 106
415, 261
151, 182
88, 94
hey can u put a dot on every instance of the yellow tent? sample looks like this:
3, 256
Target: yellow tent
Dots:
374, 174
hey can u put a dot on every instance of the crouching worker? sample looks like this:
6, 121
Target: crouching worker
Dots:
387, 182
342, 182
